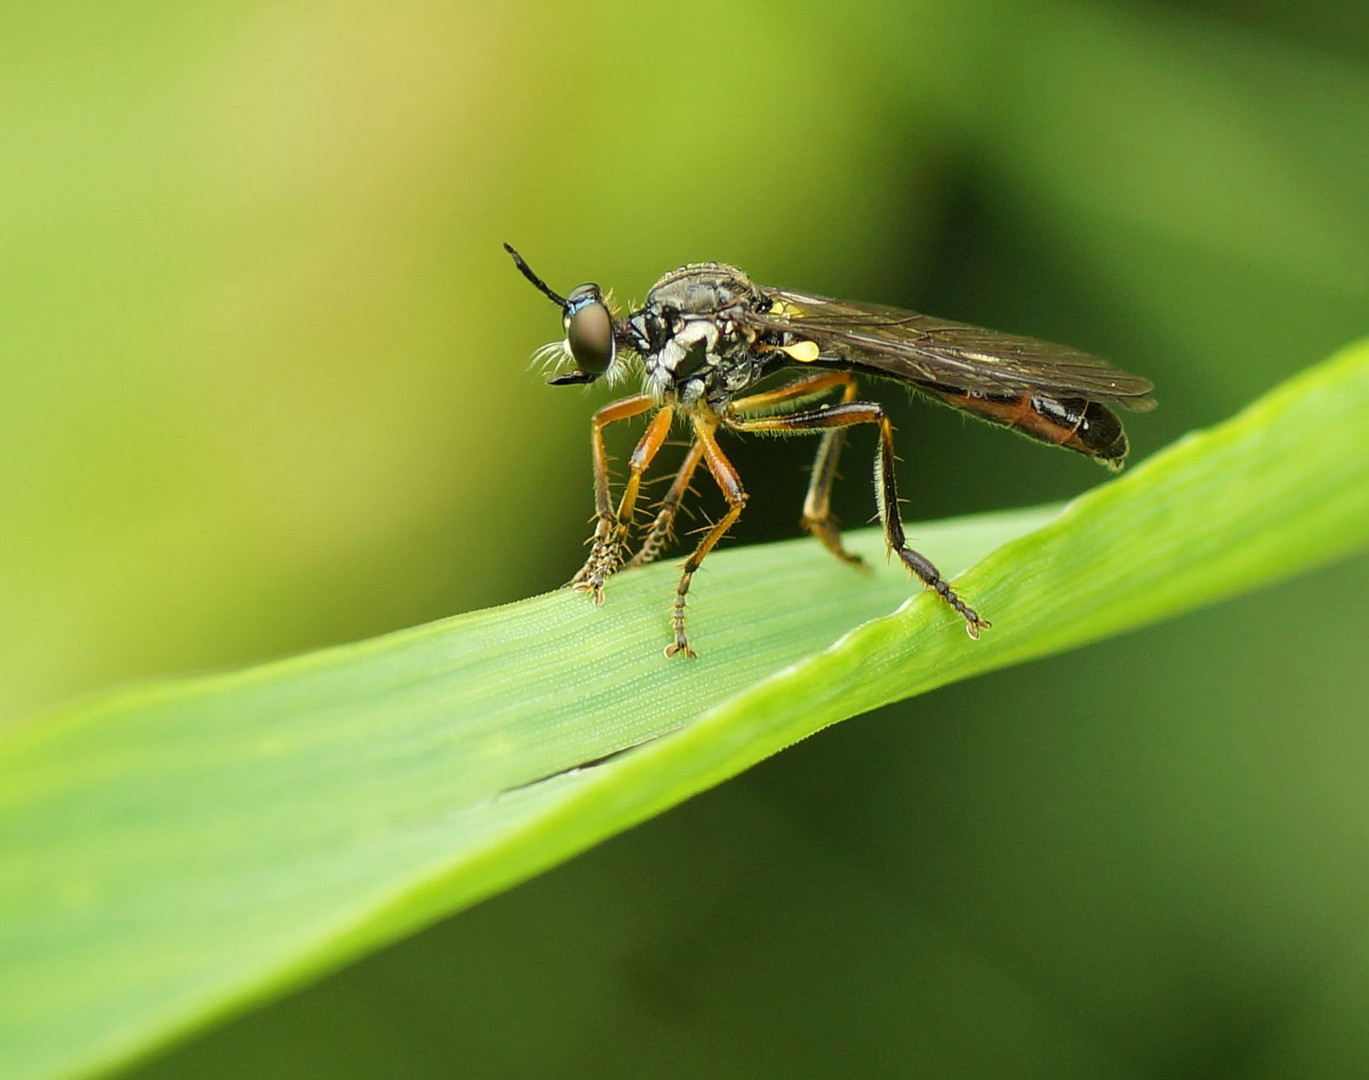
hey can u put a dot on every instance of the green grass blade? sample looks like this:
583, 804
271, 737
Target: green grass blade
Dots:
173, 854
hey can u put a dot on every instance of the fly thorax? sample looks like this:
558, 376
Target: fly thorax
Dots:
682, 369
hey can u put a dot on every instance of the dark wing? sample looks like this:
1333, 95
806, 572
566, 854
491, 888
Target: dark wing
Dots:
945, 355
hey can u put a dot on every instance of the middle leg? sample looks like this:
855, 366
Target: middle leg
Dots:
662, 526
817, 504
731, 484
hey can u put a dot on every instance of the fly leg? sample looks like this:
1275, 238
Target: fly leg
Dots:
731, 485
610, 530
847, 414
658, 535
817, 506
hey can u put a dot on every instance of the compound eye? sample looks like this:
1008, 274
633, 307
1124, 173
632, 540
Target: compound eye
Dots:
589, 330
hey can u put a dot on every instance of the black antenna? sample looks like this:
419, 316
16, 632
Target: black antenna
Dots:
542, 287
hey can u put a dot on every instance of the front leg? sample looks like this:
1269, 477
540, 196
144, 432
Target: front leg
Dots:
611, 528
819, 520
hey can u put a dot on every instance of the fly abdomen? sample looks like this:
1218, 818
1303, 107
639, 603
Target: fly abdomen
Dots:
1075, 423
1087, 426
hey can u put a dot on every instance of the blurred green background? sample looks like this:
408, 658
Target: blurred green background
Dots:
264, 387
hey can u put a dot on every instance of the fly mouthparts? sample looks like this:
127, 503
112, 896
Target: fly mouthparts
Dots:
571, 378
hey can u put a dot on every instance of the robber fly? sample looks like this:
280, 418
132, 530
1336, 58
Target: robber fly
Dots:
707, 334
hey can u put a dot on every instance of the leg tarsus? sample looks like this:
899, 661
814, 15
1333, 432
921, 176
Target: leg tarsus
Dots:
829, 535
931, 577
681, 642
604, 558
